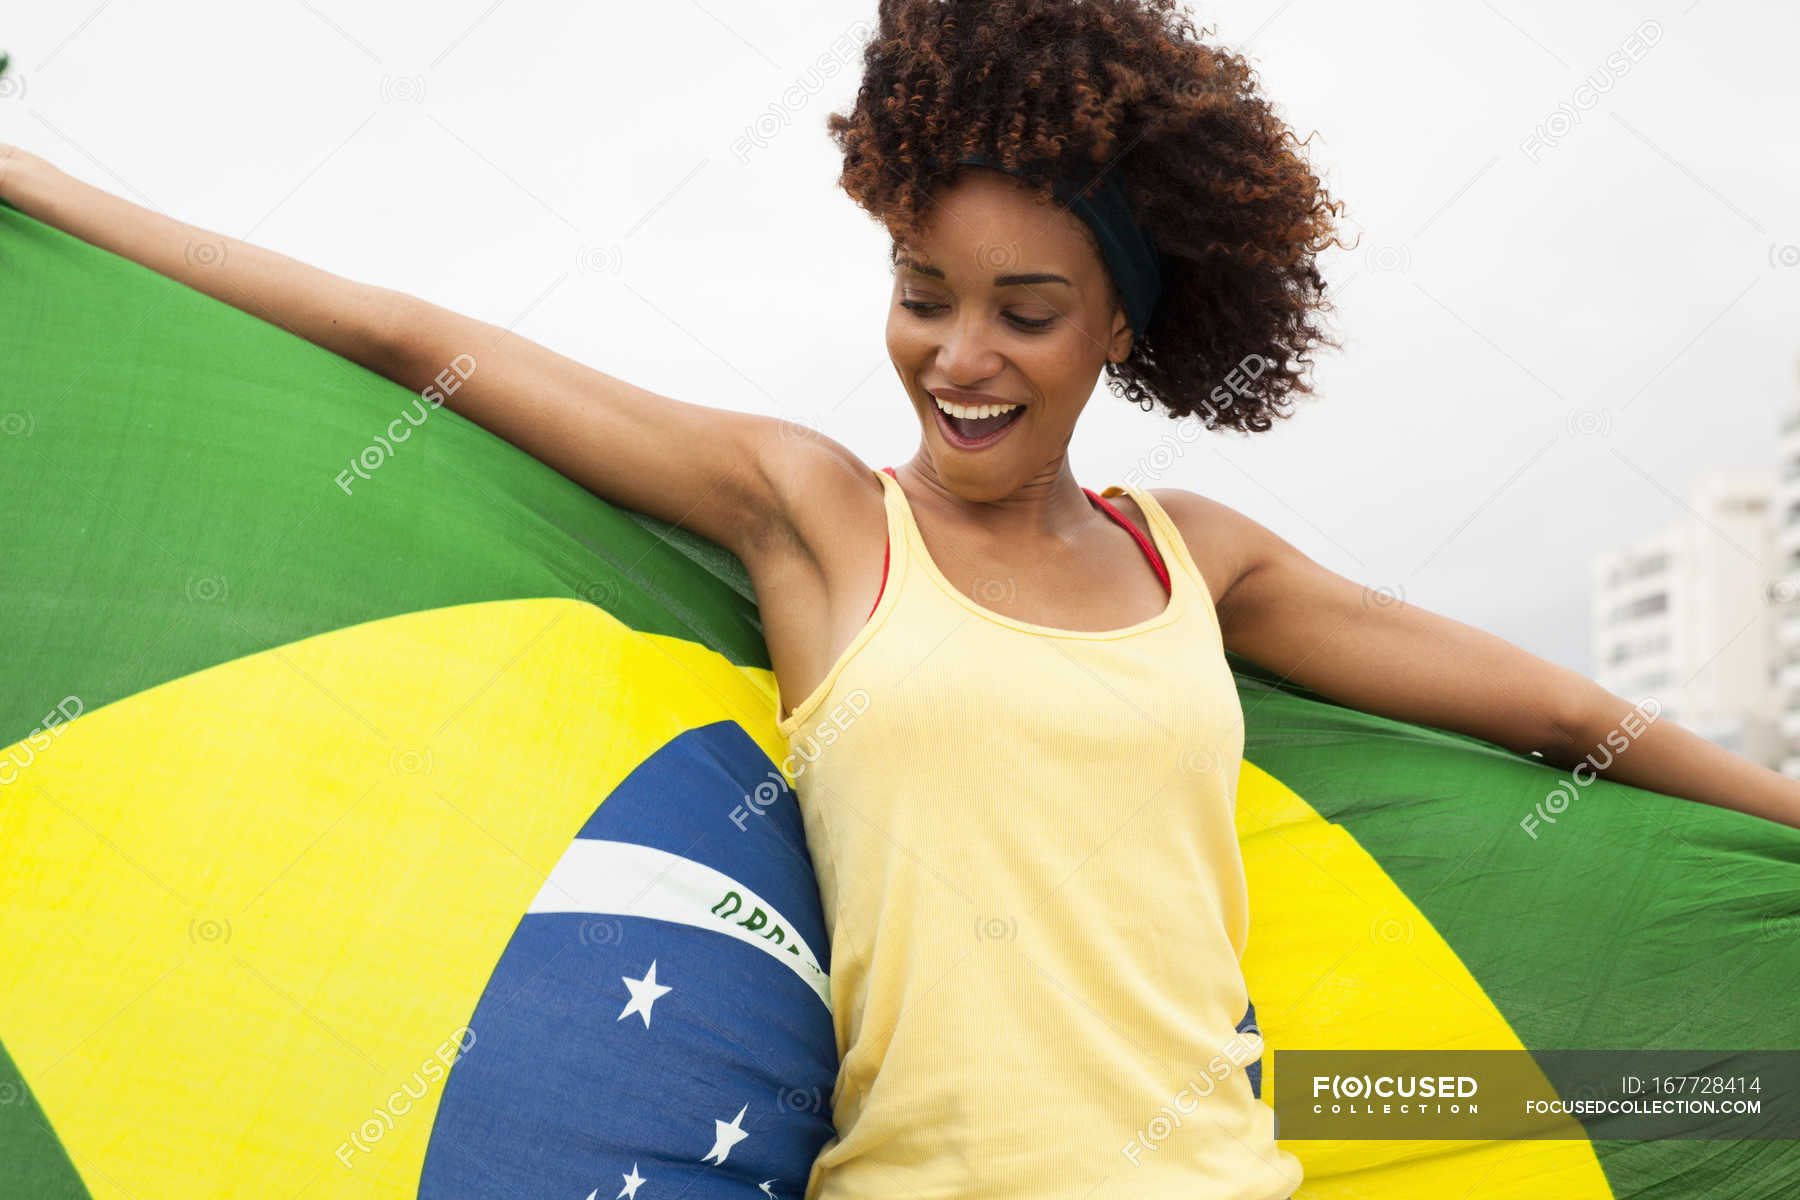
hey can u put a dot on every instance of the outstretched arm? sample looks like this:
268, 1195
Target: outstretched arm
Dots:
1378, 654
728, 476
339, 314
1666, 758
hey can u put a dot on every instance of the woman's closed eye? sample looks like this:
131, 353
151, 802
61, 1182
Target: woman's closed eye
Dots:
925, 308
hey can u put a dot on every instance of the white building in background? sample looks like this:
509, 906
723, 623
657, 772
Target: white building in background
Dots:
1685, 616
1785, 594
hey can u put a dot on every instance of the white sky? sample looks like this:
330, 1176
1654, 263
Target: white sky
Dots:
1540, 356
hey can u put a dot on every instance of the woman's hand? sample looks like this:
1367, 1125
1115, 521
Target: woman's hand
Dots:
10, 156
14, 165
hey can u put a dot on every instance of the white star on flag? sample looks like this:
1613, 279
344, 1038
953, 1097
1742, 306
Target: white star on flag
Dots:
644, 993
726, 1136
631, 1183
763, 1187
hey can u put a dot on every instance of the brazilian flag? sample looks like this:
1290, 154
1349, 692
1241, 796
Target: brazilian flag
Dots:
381, 814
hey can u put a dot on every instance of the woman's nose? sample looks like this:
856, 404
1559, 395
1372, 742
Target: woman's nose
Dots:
968, 354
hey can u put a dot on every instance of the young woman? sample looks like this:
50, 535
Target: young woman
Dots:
1022, 817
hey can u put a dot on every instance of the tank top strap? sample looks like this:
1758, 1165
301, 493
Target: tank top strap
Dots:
887, 551
1159, 517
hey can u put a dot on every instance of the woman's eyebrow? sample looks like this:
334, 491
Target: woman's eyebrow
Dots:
999, 280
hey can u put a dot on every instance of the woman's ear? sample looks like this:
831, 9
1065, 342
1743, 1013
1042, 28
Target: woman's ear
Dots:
1118, 347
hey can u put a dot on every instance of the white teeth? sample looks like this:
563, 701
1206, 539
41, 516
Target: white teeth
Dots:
968, 412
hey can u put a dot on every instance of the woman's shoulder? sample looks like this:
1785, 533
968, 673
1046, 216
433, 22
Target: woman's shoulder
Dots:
1224, 543
831, 500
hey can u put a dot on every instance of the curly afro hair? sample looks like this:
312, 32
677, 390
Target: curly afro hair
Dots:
1076, 88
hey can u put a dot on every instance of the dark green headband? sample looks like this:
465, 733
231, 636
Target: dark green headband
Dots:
1125, 246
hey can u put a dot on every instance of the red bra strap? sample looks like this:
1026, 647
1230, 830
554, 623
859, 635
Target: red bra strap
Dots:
1149, 548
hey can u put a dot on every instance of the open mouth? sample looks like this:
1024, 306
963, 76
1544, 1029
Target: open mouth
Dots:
975, 432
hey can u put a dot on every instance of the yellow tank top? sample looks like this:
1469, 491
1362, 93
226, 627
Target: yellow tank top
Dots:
1026, 854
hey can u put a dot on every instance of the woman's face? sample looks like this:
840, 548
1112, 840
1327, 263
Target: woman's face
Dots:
1006, 297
